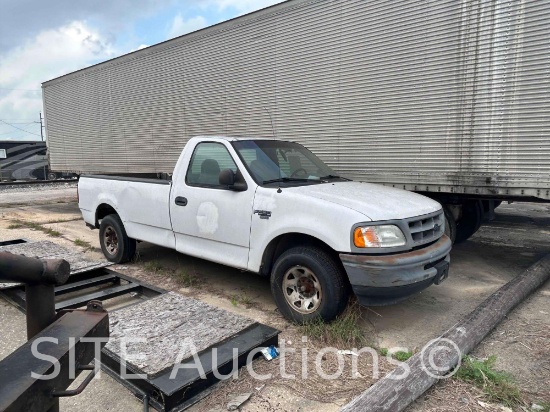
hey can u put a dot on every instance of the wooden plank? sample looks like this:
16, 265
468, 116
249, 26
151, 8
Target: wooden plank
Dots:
394, 394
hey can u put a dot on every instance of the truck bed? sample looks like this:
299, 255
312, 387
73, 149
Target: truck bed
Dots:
144, 202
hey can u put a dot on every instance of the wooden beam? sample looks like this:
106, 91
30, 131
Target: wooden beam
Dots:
398, 389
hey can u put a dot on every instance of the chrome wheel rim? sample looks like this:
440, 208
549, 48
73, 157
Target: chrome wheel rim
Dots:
110, 240
302, 289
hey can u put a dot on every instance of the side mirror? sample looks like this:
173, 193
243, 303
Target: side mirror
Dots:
233, 181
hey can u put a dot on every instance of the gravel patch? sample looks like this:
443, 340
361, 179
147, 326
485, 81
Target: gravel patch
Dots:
38, 187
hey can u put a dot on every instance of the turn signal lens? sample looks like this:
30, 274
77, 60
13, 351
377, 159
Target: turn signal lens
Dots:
365, 237
378, 236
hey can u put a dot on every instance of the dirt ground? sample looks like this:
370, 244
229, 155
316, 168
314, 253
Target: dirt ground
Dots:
502, 249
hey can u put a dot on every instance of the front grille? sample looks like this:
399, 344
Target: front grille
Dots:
427, 228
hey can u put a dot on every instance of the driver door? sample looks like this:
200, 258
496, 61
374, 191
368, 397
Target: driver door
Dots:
209, 220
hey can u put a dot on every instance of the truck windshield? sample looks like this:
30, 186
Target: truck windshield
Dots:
275, 161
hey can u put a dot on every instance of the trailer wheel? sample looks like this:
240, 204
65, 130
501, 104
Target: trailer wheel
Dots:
472, 214
52, 176
308, 284
450, 224
115, 243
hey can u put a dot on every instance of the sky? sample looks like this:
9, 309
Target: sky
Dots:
41, 40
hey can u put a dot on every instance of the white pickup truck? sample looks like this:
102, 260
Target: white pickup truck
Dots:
272, 207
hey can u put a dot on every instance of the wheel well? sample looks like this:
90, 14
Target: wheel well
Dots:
102, 211
282, 243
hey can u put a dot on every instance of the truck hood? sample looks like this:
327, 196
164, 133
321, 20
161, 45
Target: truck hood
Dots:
376, 202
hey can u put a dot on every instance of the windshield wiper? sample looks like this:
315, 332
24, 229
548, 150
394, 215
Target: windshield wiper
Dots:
332, 177
285, 179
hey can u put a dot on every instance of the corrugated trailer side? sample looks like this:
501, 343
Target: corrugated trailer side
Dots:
433, 96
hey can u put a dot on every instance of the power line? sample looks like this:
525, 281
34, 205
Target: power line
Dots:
18, 128
22, 90
23, 123
19, 120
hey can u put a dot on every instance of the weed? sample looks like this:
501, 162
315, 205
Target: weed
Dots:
544, 405
234, 300
153, 266
82, 243
51, 232
245, 299
401, 356
63, 220
17, 224
498, 386
188, 280
344, 331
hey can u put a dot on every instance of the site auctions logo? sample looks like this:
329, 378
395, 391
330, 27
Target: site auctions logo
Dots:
439, 359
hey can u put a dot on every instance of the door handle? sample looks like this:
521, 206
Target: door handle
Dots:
181, 201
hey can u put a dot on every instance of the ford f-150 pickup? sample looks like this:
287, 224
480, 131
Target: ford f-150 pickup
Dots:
272, 207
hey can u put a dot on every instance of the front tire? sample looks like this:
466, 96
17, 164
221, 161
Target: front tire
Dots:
115, 243
472, 217
307, 284
450, 224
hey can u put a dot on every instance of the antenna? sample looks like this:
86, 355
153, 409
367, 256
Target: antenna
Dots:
273, 131
270, 118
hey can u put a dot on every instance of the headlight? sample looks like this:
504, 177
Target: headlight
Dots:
378, 236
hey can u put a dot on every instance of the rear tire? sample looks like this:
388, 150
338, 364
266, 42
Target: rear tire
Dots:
115, 243
308, 284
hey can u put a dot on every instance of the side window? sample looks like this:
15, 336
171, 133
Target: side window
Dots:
3, 153
208, 160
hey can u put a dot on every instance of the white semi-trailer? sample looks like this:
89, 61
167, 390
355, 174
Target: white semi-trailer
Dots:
446, 98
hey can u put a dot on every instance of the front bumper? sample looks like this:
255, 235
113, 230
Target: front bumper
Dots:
387, 279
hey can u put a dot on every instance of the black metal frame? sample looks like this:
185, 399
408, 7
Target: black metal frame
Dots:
159, 391
19, 389
187, 388
120, 285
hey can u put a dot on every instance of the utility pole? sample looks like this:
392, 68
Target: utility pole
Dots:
41, 133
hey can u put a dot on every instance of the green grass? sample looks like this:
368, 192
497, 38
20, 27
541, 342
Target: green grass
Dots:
153, 266
235, 300
344, 331
186, 279
18, 224
245, 299
82, 243
545, 406
51, 232
497, 385
401, 356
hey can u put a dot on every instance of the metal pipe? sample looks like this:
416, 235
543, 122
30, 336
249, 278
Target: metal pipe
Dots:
30, 270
